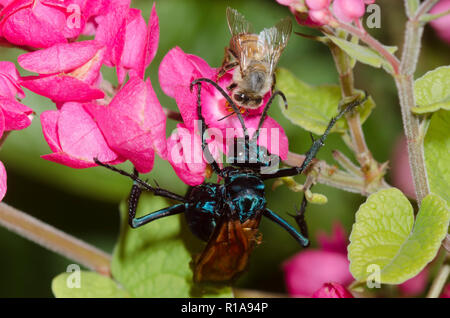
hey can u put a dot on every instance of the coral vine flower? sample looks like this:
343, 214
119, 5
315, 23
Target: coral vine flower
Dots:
74, 137
67, 72
13, 115
46, 22
332, 290
442, 25
186, 156
318, 12
134, 124
308, 271
131, 45
3, 178
176, 72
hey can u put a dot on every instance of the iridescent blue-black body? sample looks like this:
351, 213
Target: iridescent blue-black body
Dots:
241, 197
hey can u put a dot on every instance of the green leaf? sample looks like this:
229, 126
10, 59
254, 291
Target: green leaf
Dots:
313, 107
437, 145
363, 54
92, 285
432, 91
154, 260
383, 235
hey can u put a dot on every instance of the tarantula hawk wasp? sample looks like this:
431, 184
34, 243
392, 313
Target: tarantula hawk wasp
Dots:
227, 215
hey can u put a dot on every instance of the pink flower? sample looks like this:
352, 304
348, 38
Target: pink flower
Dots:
67, 72
442, 25
13, 115
74, 137
308, 271
131, 45
332, 290
177, 71
415, 285
348, 10
186, 155
2, 181
337, 242
134, 124
446, 292
39, 23
9, 81
318, 4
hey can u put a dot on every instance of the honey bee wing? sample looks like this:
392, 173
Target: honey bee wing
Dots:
237, 23
273, 41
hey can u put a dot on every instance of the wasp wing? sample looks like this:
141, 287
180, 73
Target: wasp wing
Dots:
273, 41
227, 252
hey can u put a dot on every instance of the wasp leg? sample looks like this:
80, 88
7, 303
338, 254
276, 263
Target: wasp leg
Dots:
284, 224
137, 222
157, 191
315, 147
134, 222
299, 217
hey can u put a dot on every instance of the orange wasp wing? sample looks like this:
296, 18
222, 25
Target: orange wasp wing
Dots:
227, 252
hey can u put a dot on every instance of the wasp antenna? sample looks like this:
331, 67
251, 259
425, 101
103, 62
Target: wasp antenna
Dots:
228, 98
266, 109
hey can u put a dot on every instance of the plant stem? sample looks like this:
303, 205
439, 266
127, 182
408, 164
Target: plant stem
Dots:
333, 177
373, 43
405, 86
440, 279
54, 239
345, 71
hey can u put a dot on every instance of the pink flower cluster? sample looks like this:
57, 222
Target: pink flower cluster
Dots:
320, 12
95, 119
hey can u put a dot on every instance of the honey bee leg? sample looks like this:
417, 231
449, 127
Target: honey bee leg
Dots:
284, 224
274, 82
226, 68
315, 147
231, 86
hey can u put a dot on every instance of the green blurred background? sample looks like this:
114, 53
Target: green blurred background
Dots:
84, 203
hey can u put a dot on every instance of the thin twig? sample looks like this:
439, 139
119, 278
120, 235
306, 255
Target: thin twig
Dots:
440, 279
373, 43
54, 239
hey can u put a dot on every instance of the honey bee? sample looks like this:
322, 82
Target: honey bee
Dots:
255, 57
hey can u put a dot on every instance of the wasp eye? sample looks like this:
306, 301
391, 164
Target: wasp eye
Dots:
239, 97
258, 100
